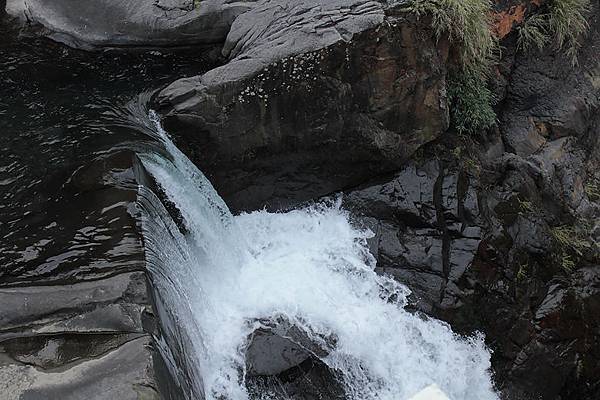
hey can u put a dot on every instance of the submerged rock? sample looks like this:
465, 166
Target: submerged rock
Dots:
137, 23
316, 96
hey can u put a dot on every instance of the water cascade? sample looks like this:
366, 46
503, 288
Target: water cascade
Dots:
219, 277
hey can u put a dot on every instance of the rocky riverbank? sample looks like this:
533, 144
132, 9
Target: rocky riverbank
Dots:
496, 231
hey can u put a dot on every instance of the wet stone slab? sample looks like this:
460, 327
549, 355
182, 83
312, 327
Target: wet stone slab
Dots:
123, 372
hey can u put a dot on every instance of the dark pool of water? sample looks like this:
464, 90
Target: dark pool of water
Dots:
66, 187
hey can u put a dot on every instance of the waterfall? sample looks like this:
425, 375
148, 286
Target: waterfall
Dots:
218, 276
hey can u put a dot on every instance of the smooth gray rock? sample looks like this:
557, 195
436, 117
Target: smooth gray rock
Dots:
316, 96
124, 373
277, 29
109, 305
133, 23
83, 340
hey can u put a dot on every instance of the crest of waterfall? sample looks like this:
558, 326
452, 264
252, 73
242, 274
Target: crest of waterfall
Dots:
217, 275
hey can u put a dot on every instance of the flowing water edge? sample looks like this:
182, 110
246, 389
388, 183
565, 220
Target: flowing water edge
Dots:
221, 276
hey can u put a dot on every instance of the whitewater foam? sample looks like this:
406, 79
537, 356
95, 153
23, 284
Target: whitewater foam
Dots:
217, 275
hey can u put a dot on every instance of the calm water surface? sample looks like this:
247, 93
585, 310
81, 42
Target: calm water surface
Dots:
66, 187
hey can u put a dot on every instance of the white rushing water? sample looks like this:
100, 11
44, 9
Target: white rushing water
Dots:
221, 273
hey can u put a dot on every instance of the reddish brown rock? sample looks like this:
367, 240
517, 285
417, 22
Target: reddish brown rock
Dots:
508, 14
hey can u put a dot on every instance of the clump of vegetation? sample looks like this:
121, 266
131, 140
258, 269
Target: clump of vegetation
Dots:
467, 23
566, 262
571, 244
465, 160
464, 21
562, 21
592, 189
471, 102
522, 274
569, 238
533, 33
525, 206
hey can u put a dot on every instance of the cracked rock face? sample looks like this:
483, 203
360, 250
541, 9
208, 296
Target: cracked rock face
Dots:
474, 234
316, 96
132, 23
426, 230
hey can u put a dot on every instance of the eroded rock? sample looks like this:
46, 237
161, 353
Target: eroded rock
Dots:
124, 372
138, 23
278, 345
316, 96
284, 360
548, 98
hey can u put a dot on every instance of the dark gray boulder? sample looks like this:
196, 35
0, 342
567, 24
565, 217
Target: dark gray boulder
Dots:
133, 23
278, 345
316, 96
284, 360
548, 98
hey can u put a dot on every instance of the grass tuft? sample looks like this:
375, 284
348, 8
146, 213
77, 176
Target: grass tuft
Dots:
533, 33
471, 102
563, 22
568, 23
567, 237
592, 190
464, 21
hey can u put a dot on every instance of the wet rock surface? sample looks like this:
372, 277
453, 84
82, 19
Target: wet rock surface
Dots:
76, 313
499, 234
315, 97
309, 380
278, 345
496, 233
121, 371
138, 23
283, 360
